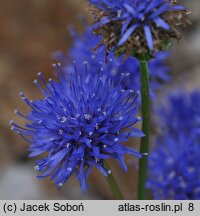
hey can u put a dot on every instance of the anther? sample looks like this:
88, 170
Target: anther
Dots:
90, 133
87, 116
64, 119
36, 168
11, 122
121, 118
60, 131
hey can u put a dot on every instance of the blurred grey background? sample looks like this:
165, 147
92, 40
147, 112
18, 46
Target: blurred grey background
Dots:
30, 30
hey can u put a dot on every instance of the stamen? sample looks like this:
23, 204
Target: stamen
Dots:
36, 168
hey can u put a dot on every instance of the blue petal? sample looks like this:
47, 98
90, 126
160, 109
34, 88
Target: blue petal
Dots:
137, 133
122, 162
130, 9
153, 4
127, 34
177, 7
149, 37
160, 22
125, 25
160, 10
101, 23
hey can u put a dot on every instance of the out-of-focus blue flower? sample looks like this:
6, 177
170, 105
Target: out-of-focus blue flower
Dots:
123, 72
81, 121
82, 48
182, 112
174, 171
136, 16
130, 71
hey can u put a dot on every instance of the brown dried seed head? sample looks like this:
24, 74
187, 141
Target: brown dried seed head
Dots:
110, 32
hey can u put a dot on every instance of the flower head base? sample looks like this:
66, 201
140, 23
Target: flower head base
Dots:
82, 121
138, 26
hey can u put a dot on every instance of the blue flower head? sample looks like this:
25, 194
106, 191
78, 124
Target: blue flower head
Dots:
174, 171
181, 113
81, 121
121, 72
138, 25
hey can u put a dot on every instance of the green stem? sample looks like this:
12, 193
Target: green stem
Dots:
113, 185
145, 101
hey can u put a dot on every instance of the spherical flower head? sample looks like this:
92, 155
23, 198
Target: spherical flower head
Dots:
138, 26
81, 122
174, 171
124, 72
